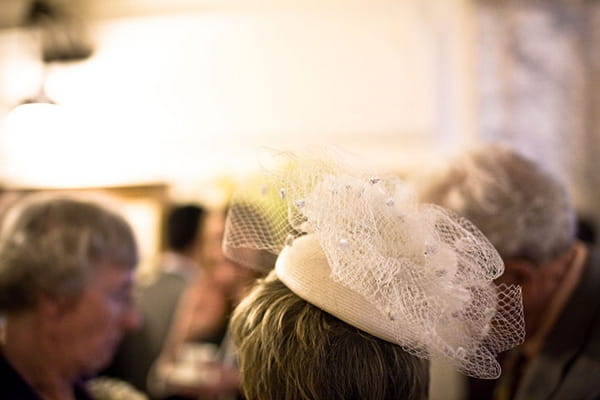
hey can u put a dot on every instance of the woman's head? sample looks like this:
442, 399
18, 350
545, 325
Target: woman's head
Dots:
366, 280
291, 350
51, 244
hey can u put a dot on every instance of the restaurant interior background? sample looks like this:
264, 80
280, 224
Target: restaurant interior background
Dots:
159, 100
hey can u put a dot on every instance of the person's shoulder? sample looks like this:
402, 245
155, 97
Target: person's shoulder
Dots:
161, 282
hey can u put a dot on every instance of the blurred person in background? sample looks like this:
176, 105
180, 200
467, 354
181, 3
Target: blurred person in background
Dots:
66, 293
528, 216
190, 365
181, 265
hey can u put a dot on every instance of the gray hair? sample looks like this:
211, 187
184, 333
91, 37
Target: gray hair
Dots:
52, 242
523, 210
291, 350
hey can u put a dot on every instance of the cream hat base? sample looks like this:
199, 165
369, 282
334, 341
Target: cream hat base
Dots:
304, 269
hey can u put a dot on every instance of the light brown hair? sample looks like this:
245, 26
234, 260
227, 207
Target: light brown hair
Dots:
291, 350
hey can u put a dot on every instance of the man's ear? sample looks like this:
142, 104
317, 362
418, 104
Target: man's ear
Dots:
52, 306
47, 305
518, 271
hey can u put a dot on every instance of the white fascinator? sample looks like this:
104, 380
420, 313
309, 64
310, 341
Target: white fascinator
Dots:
363, 249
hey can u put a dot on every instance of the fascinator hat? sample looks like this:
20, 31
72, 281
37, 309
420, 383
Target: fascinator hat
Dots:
362, 248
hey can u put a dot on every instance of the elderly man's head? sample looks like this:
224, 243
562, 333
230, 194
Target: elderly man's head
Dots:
525, 212
68, 264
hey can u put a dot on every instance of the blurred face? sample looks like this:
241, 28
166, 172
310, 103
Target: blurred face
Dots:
533, 286
212, 236
233, 279
88, 332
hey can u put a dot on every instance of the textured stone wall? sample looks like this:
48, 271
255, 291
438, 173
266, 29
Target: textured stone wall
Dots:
539, 86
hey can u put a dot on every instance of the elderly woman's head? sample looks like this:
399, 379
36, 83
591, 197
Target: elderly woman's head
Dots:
67, 263
523, 210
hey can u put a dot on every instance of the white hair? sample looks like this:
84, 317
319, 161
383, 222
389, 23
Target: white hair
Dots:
51, 242
522, 209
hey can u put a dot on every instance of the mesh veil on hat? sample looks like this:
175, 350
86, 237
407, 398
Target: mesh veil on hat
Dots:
364, 250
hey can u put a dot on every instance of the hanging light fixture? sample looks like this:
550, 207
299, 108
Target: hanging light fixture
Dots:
60, 32
38, 121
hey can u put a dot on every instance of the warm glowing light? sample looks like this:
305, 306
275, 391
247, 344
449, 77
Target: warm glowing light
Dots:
57, 146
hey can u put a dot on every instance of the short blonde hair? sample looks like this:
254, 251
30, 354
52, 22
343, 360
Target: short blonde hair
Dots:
291, 350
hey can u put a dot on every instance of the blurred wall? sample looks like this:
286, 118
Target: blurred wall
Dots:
182, 97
